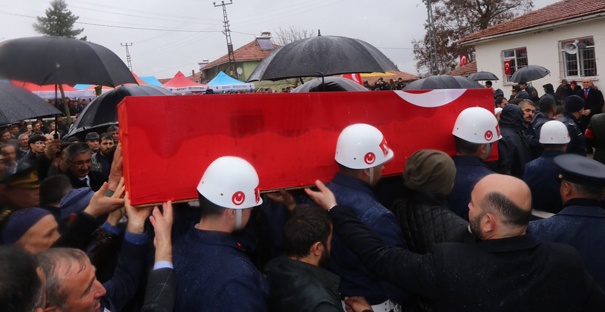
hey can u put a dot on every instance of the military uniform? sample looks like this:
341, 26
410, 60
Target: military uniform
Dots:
581, 223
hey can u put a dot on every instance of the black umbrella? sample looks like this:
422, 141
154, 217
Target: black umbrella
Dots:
102, 112
482, 75
321, 56
329, 84
443, 82
58, 60
530, 73
18, 104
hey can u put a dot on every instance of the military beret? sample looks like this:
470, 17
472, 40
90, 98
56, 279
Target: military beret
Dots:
25, 177
581, 170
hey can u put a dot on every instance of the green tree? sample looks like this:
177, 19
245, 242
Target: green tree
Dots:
454, 19
59, 21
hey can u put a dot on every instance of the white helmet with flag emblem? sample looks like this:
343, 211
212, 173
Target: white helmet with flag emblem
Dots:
361, 146
231, 182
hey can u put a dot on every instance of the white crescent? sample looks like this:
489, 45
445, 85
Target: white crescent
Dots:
433, 98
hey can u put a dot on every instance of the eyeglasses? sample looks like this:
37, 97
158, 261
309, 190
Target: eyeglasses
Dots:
81, 163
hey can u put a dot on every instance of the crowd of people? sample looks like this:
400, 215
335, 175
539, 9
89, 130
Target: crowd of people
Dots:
459, 232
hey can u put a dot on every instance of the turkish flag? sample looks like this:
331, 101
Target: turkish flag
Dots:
354, 77
507, 68
289, 138
463, 60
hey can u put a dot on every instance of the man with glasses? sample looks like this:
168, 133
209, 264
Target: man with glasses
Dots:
79, 161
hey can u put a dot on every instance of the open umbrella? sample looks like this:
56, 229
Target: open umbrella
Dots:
18, 104
57, 60
321, 56
443, 82
530, 73
329, 84
482, 75
102, 112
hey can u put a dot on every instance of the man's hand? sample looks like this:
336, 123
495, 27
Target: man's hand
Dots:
357, 304
100, 204
136, 216
324, 198
162, 226
115, 172
283, 197
586, 112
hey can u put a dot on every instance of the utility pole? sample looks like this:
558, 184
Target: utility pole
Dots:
227, 33
434, 64
126, 45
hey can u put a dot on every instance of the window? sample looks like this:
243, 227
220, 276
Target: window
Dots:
514, 60
578, 58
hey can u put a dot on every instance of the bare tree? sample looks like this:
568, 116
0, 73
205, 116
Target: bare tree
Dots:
454, 19
292, 33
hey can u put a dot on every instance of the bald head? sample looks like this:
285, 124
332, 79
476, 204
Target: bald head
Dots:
500, 207
586, 83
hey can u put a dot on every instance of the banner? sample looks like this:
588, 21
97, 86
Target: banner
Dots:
463, 60
354, 77
289, 138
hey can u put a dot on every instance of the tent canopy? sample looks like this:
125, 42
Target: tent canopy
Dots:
224, 82
182, 85
151, 80
48, 91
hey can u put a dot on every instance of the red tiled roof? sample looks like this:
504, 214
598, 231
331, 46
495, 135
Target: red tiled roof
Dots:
465, 70
249, 52
557, 12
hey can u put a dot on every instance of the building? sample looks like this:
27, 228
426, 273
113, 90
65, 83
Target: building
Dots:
565, 37
246, 57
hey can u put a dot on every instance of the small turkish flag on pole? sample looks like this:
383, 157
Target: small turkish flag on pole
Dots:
354, 77
507, 67
463, 60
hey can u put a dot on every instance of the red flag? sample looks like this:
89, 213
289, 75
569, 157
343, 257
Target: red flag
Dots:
463, 60
507, 68
354, 77
160, 165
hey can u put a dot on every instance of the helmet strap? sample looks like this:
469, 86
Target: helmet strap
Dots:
238, 219
488, 150
371, 175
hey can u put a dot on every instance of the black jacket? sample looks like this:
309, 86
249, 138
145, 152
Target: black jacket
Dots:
298, 286
511, 274
161, 287
426, 220
514, 148
577, 143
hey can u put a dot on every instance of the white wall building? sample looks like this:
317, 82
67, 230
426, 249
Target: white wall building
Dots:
567, 37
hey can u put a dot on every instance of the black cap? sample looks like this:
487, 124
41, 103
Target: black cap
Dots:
574, 103
581, 170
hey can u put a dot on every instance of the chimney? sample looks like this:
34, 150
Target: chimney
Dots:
265, 34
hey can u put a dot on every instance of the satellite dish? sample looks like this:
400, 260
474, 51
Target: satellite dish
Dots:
570, 48
239, 70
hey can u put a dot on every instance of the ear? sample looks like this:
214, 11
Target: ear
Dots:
566, 189
488, 223
47, 309
317, 249
230, 213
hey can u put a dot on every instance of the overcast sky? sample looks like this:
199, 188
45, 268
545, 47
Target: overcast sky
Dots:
169, 36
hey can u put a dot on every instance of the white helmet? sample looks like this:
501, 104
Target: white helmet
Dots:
477, 125
554, 132
362, 146
230, 182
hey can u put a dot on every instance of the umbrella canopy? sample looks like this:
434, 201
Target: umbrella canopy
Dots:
18, 104
443, 82
103, 112
482, 75
321, 56
330, 84
180, 84
530, 73
56, 60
